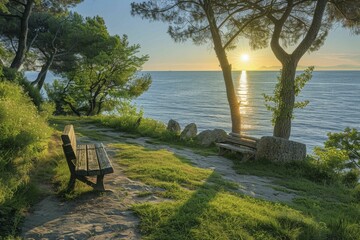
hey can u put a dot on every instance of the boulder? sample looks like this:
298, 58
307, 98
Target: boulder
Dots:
280, 150
208, 137
173, 126
189, 132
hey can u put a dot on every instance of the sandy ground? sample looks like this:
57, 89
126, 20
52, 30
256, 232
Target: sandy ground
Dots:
108, 215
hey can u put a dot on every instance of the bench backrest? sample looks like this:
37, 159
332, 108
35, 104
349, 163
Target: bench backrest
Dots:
243, 140
69, 146
68, 137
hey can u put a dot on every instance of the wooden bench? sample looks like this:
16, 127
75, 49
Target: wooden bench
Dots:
237, 143
85, 160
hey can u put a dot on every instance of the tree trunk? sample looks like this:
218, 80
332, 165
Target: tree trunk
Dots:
23, 35
289, 62
226, 69
231, 96
74, 109
42, 74
282, 126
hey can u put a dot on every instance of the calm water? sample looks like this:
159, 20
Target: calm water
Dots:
200, 97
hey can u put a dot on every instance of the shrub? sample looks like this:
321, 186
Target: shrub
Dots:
17, 77
348, 141
356, 193
23, 136
351, 178
21, 127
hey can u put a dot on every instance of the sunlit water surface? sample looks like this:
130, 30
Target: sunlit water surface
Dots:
200, 97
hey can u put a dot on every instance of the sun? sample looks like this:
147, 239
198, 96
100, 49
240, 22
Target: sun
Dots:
245, 57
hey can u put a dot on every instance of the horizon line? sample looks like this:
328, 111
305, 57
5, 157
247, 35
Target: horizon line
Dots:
259, 70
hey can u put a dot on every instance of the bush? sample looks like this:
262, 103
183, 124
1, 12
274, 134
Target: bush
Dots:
14, 76
23, 136
21, 127
356, 193
351, 178
348, 141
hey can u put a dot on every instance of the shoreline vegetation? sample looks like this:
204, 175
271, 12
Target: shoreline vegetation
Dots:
325, 206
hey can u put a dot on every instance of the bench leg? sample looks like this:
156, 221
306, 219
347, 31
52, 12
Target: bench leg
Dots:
222, 151
71, 183
99, 183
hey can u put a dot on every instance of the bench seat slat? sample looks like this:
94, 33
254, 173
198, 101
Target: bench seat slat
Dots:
242, 141
93, 164
81, 163
104, 162
235, 148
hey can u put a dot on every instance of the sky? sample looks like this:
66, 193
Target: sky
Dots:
341, 50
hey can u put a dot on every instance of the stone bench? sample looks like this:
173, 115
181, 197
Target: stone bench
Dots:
85, 160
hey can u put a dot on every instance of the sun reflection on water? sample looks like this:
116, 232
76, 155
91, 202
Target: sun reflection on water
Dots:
242, 92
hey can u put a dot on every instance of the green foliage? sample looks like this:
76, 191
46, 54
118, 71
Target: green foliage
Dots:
47, 109
274, 103
341, 152
348, 141
356, 193
330, 159
341, 229
102, 81
3, 7
18, 77
351, 178
21, 126
23, 136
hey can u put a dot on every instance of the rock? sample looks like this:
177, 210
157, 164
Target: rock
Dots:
173, 126
190, 131
208, 137
280, 150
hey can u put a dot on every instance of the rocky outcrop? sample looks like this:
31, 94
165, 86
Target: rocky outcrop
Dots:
189, 132
209, 137
173, 126
280, 150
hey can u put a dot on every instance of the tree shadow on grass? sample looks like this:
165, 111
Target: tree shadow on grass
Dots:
186, 217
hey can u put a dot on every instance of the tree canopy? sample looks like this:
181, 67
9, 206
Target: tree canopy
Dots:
17, 13
99, 83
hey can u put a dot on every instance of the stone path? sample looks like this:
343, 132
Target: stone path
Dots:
108, 215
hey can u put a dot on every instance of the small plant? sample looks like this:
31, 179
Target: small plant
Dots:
331, 158
348, 141
340, 157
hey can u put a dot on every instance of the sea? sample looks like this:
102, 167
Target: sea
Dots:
200, 98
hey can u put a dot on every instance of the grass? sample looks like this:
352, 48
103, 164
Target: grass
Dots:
30, 188
204, 206
148, 128
329, 202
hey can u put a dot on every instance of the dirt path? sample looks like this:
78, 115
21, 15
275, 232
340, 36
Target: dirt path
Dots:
108, 215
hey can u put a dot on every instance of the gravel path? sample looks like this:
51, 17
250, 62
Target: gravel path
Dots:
108, 215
